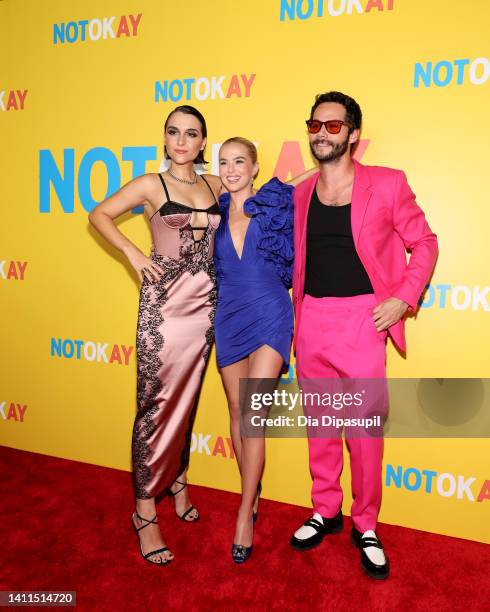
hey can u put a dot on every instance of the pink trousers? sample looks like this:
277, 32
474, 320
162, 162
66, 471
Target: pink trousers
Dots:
337, 338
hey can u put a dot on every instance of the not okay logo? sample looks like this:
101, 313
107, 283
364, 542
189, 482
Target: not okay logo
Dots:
204, 88
91, 351
12, 99
12, 269
12, 411
95, 29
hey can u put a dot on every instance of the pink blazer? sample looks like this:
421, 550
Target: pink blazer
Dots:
386, 222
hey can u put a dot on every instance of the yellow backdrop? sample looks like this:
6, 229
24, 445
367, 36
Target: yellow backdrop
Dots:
84, 90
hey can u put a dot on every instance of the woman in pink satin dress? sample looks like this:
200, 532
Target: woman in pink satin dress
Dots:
175, 319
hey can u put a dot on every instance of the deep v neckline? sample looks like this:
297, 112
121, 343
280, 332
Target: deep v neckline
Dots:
239, 257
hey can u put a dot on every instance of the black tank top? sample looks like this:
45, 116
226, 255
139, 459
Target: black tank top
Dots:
333, 267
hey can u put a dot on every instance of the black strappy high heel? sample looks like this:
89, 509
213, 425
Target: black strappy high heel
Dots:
147, 556
183, 517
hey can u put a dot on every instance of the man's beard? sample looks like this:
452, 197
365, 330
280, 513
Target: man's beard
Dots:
336, 151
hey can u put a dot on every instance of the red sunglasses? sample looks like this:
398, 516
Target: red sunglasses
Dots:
333, 126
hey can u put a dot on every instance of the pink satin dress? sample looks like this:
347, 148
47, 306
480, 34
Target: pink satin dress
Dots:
174, 337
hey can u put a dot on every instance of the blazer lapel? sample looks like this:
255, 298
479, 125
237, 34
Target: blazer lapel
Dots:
361, 193
304, 212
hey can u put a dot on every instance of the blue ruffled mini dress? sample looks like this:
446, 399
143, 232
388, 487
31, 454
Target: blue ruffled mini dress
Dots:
254, 307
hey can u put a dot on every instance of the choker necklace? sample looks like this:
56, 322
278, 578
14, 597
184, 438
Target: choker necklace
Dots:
181, 180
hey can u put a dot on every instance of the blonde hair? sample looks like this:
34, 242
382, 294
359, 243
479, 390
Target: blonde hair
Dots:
251, 148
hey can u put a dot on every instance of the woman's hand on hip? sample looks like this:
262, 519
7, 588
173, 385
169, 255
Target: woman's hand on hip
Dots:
144, 266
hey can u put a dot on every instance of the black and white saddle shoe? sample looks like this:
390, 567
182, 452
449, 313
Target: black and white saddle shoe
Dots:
373, 558
312, 532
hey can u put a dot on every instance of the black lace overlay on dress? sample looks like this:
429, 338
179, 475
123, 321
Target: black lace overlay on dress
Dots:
150, 341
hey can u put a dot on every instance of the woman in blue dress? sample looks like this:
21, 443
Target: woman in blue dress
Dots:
254, 316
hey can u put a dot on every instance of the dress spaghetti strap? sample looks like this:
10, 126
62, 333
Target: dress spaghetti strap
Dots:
209, 187
165, 187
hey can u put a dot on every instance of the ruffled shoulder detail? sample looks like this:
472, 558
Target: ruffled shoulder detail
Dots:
224, 201
273, 208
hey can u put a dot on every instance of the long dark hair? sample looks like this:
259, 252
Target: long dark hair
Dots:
190, 110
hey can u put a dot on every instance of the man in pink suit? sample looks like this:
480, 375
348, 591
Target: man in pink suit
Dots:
352, 286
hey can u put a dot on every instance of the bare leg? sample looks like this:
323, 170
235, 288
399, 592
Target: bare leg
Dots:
231, 382
182, 501
150, 536
231, 376
265, 362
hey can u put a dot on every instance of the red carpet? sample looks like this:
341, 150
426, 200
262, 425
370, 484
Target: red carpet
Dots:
66, 526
